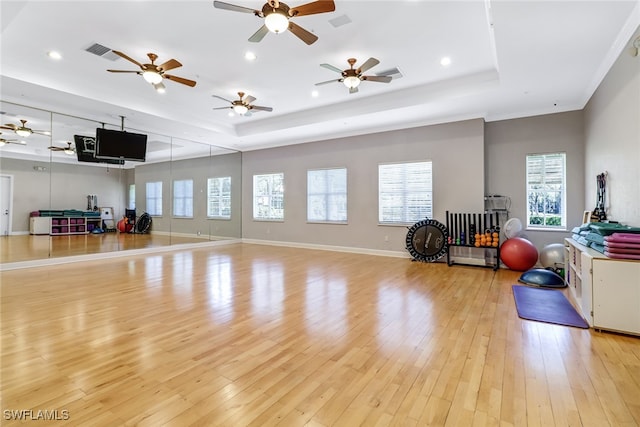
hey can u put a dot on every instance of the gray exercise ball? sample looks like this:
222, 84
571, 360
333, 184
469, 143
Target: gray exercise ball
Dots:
552, 255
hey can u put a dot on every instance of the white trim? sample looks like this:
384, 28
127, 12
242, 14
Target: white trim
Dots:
10, 207
349, 249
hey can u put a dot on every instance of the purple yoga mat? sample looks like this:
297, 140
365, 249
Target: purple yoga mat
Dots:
546, 305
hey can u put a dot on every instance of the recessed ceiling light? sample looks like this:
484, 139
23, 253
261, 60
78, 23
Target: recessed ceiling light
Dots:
250, 56
315, 94
54, 55
446, 61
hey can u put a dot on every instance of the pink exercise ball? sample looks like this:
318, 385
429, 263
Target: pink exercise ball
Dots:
518, 254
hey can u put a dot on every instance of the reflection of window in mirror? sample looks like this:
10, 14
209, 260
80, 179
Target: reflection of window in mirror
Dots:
154, 198
219, 197
132, 196
183, 198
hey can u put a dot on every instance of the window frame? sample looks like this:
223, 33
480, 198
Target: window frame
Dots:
406, 195
150, 211
270, 196
328, 195
220, 197
186, 199
563, 194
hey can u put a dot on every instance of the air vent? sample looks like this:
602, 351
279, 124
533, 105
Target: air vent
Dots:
102, 51
394, 73
340, 21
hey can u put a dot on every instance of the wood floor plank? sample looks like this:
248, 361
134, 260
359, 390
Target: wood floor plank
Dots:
251, 335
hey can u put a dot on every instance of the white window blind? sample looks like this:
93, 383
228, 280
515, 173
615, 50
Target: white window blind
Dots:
404, 192
268, 196
183, 198
327, 195
154, 198
132, 196
546, 190
219, 197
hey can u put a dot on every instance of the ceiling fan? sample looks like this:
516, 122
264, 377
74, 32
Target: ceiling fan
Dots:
277, 16
67, 150
10, 141
153, 73
242, 106
22, 129
352, 77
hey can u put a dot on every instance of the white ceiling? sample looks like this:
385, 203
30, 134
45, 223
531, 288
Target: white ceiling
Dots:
508, 59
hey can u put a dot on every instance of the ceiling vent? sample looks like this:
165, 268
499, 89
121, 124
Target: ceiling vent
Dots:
340, 21
103, 51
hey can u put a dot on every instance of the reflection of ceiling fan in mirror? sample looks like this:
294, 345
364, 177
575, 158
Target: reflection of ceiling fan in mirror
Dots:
69, 149
10, 141
242, 106
153, 73
277, 16
352, 77
22, 129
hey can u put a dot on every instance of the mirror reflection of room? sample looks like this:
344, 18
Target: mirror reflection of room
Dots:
67, 201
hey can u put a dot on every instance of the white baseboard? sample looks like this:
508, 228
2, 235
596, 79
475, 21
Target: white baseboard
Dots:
349, 249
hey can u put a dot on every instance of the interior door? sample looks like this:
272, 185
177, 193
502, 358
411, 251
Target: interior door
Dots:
5, 204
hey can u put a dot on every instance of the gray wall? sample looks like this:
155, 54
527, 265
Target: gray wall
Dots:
61, 186
507, 144
199, 170
612, 139
456, 150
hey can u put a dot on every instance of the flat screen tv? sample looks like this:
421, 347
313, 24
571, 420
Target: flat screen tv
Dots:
86, 151
120, 145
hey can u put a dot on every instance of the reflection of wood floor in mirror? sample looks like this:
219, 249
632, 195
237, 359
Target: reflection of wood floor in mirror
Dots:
32, 247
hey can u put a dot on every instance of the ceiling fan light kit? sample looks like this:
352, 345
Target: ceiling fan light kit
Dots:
23, 132
276, 22
152, 77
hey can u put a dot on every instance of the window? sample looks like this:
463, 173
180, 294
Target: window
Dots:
546, 196
183, 198
219, 197
268, 196
132, 196
404, 192
327, 195
154, 198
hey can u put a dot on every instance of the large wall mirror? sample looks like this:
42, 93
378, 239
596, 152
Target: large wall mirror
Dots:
57, 197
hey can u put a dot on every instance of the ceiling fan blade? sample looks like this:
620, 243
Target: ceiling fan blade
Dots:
124, 71
353, 89
224, 99
259, 35
9, 126
369, 63
320, 6
381, 79
221, 108
122, 55
259, 108
332, 68
179, 80
390, 72
328, 81
302, 34
41, 132
170, 65
233, 7
249, 99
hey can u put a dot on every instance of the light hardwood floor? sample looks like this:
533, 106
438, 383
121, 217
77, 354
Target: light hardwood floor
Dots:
258, 335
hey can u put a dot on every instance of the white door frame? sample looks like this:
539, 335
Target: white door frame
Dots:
6, 204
